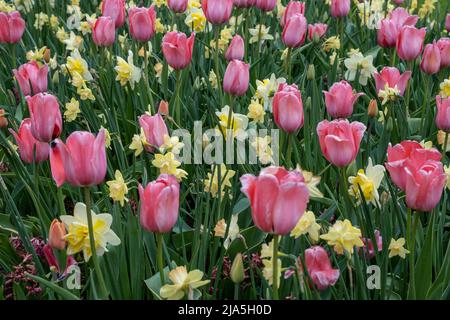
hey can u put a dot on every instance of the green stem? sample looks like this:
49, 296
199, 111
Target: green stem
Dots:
288, 64
444, 147
289, 150
236, 291
275, 268
216, 61
147, 81
98, 271
62, 207
424, 104
177, 98
160, 239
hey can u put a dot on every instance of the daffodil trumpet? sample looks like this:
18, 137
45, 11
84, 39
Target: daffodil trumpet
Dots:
101, 280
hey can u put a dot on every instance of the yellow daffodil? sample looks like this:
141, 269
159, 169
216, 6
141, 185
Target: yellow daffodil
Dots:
261, 145
212, 181
388, 94
6, 7
160, 3
311, 182
169, 165
171, 144
441, 140
213, 79
182, 283
427, 8
396, 248
256, 111
268, 270
343, 236
127, 72
332, 43
107, 137
40, 20
138, 142
233, 232
78, 233
73, 42
260, 34
72, 110
266, 89
238, 123
76, 64
358, 63
307, 225
196, 20
118, 188
36, 55
447, 173
368, 181
445, 88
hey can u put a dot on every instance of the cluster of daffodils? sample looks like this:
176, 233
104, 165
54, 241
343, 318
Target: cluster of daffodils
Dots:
267, 260
226, 34
219, 180
78, 70
372, 12
195, 18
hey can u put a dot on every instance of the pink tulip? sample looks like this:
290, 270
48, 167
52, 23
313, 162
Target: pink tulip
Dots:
217, 11
293, 8
244, 3
369, 248
104, 32
53, 262
341, 99
28, 144
142, 23
46, 120
160, 201
317, 29
319, 267
177, 49
116, 10
294, 32
236, 50
32, 79
278, 198
391, 77
424, 185
12, 27
340, 140
340, 8
410, 42
236, 78
444, 48
431, 59
266, 5
288, 108
81, 161
154, 129
178, 6
407, 154
389, 28
443, 113
447, 22
399, 2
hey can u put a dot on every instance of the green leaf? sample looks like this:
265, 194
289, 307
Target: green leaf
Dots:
241, 205
424, 266
154, 283
63, 293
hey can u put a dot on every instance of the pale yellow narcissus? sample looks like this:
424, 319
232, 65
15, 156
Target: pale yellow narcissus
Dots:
233, 232
78, 232
238, 122
268, 271
368, 181
445, 88
260, 33
343, 236
182, 283
396, 248
138, 142
118, 188
307, 225
169, 165
212, 181
256, 111
72, 110
127, 72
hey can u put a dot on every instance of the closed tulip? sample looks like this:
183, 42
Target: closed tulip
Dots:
160, 204
266, 5
401, 17
46, 120
32, 79
319, 267
142, 23
341, 99
177, 49
288, 108
154, 129
178, 6
104, 32
236, 50
444, 48
340, 8
407, 154
12, 27
447, 22
424, 185
316, 30
28, 144
56, 235
389, 28
294, 32
81, 161
340, 140
391, 77
278, 198
116, 10
410, 42
217, 11
293, 8
431, 59
443, 113
244, 3
236, 78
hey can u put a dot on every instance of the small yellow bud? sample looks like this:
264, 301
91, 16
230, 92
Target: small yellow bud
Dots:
311, 72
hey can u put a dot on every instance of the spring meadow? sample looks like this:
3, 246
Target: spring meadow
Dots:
224, 150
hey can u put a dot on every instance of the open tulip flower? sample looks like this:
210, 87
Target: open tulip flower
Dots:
224, 150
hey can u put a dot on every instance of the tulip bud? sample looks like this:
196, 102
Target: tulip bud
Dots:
3, 120
237, 269
47, 55
163, 108
373, 108
311, 72
431, 59
389, 125
236, 78
56, 235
